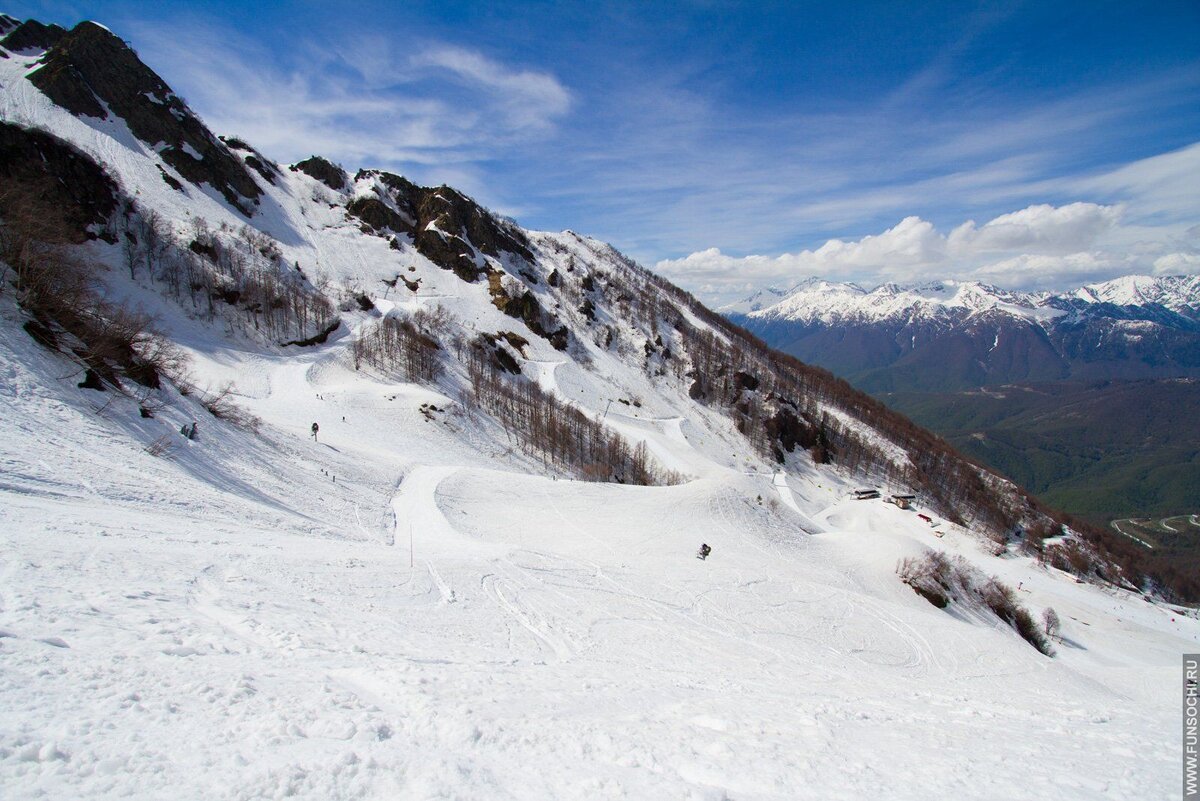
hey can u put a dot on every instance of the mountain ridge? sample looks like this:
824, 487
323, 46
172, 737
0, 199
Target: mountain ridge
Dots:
949, 335
817, 299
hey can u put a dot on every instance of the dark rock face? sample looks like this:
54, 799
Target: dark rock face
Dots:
744, 382
527, 308
262, 167
377, 215
791, 430
89, 64
501, 358
29, 35
446, 226
324, 171
53, 173
8, 24
458, 215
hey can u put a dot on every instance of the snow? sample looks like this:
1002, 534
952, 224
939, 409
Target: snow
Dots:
828, 302
411, 607
1180, 293
232, 611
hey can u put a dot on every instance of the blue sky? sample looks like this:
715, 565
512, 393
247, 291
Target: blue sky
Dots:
1031, 144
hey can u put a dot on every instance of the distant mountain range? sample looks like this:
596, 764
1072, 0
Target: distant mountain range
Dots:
949, 335
1088, 398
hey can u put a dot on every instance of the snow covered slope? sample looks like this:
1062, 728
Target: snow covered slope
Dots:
391, 613
416, 603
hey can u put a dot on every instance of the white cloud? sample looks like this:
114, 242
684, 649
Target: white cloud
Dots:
527, 98
1163, 186
1149, 227
369, 102
1034, 271
1038, 247
1177, 263
1042, 228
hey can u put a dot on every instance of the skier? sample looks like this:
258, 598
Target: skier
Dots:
315, 428
704, 551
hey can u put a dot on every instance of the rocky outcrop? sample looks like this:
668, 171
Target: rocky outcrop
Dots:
37, 167
526, 307
254, 160
324, 171
447, 227
89, 68
29, 35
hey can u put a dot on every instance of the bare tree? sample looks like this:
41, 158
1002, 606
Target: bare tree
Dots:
1051, 623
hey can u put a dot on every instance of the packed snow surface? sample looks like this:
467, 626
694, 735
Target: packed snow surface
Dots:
395, 611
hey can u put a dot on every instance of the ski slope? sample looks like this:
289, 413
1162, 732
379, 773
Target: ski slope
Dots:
407, 608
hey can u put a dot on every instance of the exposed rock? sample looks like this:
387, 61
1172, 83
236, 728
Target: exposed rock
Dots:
169, 179
516, 340
526, 307
8, 24
91, 380
744, 381
457, 214
31, 35
57, 175
319, 338
447, 227
89, 64
206, 249
377, 215
263, 168
501, 358
324, 171
790, 430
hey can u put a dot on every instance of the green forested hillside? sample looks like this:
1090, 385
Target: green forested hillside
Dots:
1100, 450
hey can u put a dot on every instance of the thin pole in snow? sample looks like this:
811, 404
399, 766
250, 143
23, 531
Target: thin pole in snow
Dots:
603, 416
410, 544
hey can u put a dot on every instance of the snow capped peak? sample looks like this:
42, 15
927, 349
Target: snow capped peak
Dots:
819, 300
759, 300
1175, 292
